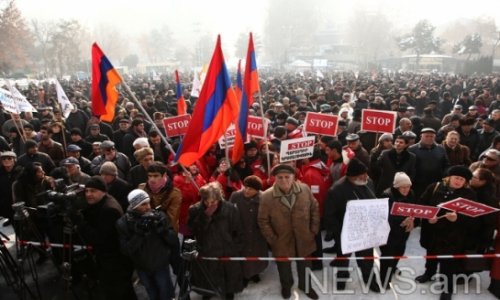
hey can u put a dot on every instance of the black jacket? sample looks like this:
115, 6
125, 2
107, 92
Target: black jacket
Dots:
389, 162
147, 239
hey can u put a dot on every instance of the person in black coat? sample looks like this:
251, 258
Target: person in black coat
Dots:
147, 238
117, 187
400, 226
33, 155
216, 227
97, 226
446, 233
9, 171
395, 160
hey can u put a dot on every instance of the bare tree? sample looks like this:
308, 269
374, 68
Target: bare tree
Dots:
65, 47
15, 39
42, 33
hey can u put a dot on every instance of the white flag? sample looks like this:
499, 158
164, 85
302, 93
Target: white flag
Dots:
66, 106
8, 101
196, 88
22, 103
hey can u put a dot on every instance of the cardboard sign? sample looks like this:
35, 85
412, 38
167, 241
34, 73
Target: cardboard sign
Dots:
176, 126
468, 207
414, 210
321, 124
373, 120
227, 140
257, 127
365, 225
296, 149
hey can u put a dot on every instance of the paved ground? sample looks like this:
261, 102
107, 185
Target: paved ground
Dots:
52, 286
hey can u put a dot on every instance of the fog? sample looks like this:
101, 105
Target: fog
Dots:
284, 29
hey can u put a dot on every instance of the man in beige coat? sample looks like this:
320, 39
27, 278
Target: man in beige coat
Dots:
289, 221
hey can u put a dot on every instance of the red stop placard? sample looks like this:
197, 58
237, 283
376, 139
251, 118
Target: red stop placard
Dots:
323, 124
373, 120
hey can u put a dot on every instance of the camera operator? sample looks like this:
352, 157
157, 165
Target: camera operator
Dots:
97, 225
147, 237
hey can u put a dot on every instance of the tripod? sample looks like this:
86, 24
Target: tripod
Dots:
14, 276
190, 255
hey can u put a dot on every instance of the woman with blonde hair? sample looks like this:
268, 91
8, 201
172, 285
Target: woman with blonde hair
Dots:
446, 233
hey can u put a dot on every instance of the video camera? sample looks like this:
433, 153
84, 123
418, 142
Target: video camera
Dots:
149, 220
63, 200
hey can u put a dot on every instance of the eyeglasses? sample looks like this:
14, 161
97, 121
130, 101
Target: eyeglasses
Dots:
7, 158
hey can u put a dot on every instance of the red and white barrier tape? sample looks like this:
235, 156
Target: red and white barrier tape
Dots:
49, 245
281, 259
451, 256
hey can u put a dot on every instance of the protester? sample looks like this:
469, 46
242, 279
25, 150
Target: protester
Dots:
247, 201
283, 209
400, 227
444, 234
216, 226
354, 186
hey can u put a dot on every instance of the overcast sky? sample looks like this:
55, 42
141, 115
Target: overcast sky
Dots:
188, 19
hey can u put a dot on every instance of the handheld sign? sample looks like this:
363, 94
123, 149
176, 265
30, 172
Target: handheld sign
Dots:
321, 124
382, 121
227, 140
257, 127
176, 126
296, 149
414, 210
468, 207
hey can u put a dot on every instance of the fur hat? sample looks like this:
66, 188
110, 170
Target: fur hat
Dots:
136, 198
96, 182
253, 182
142, 153
461, 171
356, 167
401, 179
108, 168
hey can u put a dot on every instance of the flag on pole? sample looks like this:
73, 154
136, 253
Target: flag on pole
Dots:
216, 108
241, 124
66, 106
196, 88
104, 81
181, 103
251, 80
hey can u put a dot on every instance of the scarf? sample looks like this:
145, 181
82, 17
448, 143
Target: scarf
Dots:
156, 187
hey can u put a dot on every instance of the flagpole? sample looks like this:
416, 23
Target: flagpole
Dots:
19, 131
164, 139
265, 136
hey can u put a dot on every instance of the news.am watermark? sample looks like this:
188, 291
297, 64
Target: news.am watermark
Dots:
402, 283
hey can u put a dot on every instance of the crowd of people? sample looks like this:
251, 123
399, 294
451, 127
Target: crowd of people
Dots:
138, 202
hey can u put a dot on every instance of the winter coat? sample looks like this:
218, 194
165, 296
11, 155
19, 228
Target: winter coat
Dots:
445, 237
336, 201
430, 165
137, 175
479, 164
169, 198
389, 163
253, 242
317, 176
460, 156
148, 246
217, 235
121, 162
189, 197
27, 159
481, 230
289, 231
120, 189
398, 234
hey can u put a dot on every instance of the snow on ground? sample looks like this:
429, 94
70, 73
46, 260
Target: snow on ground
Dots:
269, 287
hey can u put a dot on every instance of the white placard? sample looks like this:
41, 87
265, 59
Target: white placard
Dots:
365, 225
296, 149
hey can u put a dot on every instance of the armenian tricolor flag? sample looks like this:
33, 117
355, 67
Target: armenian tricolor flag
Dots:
216, 108
241, 124
181, 102
104, 81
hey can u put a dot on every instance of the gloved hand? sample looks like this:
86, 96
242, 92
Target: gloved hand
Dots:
329, 236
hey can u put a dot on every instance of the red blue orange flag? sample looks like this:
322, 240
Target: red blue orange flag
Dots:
241, 124
104, 81
216, 108
181, 103
251, 80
